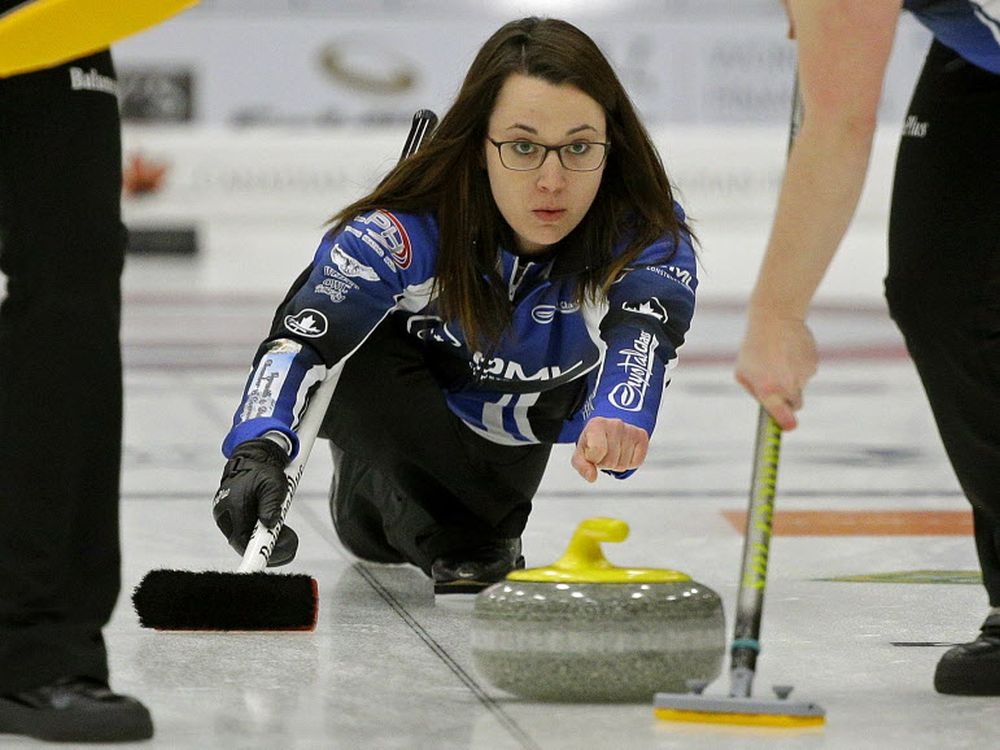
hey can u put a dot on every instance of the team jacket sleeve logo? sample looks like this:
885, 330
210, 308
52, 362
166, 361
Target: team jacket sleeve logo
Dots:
351, 268
651, 307
309, 323
637, 362
385, 231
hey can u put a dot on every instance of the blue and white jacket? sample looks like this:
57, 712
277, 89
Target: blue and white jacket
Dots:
969, 27
384, 263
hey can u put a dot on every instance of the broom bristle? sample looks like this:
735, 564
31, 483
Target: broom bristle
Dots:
209, 600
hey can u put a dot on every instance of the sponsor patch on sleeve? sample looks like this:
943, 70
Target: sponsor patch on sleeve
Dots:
350, 267
637, 362
651, 308
309, 323
387, 232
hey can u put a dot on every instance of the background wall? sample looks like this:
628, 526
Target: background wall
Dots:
248, 122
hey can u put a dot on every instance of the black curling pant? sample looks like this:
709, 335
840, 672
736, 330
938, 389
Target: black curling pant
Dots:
61, 248
943, 285
411, 482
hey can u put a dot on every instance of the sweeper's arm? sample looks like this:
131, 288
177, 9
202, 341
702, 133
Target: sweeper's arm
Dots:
843, 51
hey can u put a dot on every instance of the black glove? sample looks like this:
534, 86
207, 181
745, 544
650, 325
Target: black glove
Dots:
253, 486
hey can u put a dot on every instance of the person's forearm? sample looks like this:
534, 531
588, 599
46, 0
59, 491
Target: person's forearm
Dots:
843, 47
820, 192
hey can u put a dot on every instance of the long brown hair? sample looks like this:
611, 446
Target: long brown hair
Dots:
448, 177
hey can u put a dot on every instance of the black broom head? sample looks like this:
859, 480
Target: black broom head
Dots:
208, 600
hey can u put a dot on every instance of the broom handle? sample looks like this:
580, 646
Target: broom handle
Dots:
262, 541
757, 539
756, 547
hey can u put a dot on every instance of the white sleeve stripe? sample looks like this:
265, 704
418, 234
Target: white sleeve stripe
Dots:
988, 12
314, 376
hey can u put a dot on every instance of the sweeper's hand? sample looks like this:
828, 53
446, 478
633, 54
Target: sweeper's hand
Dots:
253, 486
775, 362
609, 444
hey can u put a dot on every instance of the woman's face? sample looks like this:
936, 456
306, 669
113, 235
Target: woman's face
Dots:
543, 205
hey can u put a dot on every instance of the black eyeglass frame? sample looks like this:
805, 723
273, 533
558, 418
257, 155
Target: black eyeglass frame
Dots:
605, 145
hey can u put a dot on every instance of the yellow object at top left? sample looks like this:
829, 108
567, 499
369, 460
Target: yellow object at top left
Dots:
43, 33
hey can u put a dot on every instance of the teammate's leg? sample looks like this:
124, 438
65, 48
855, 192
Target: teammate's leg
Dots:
943, 289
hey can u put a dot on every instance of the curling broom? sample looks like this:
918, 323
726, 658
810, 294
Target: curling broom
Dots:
250, 598
41, 33
740, 707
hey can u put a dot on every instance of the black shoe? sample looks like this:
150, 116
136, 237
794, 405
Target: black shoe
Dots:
470, 571
972, 668
75, 709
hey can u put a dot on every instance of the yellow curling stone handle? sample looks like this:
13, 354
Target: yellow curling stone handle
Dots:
584, 561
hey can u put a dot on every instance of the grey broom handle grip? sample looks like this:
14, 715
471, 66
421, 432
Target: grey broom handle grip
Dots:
262, 541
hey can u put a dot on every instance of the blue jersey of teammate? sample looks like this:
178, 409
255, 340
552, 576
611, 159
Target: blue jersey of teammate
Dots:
969, 27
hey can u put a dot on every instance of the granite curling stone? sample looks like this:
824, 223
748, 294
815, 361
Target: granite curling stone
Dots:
584, 630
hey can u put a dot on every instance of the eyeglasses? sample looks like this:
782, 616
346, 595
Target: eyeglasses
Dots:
578, 156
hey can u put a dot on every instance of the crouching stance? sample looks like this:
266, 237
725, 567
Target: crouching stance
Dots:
524, 279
